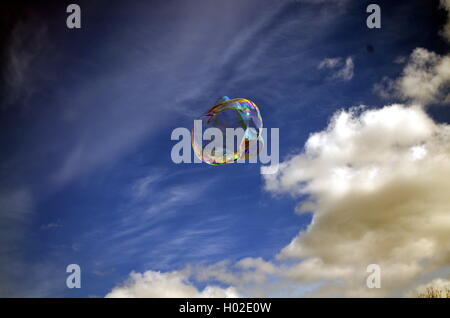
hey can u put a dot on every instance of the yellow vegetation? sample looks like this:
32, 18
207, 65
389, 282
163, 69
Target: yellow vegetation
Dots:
433, 292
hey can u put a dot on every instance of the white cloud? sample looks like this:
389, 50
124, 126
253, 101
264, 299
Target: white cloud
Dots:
171, 284
425, 79
377, 183
144, 186
330, 62
343, 70
248, 277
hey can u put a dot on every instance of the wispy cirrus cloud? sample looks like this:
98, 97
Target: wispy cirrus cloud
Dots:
151, 215
173, 284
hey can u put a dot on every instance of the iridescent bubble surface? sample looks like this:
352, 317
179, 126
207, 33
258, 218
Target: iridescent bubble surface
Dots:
239, 118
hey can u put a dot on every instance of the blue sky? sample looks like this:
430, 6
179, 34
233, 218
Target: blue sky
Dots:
86, 119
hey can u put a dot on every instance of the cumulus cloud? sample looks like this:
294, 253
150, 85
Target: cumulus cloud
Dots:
244, 275
341, 69
426, 75
171, 284
425, 79
377, 183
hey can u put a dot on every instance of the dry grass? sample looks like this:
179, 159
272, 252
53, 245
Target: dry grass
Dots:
433, 292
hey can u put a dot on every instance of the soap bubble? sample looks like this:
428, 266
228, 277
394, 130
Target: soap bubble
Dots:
238, 118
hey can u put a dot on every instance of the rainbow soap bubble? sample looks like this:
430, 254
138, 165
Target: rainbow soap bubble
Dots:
239, 115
